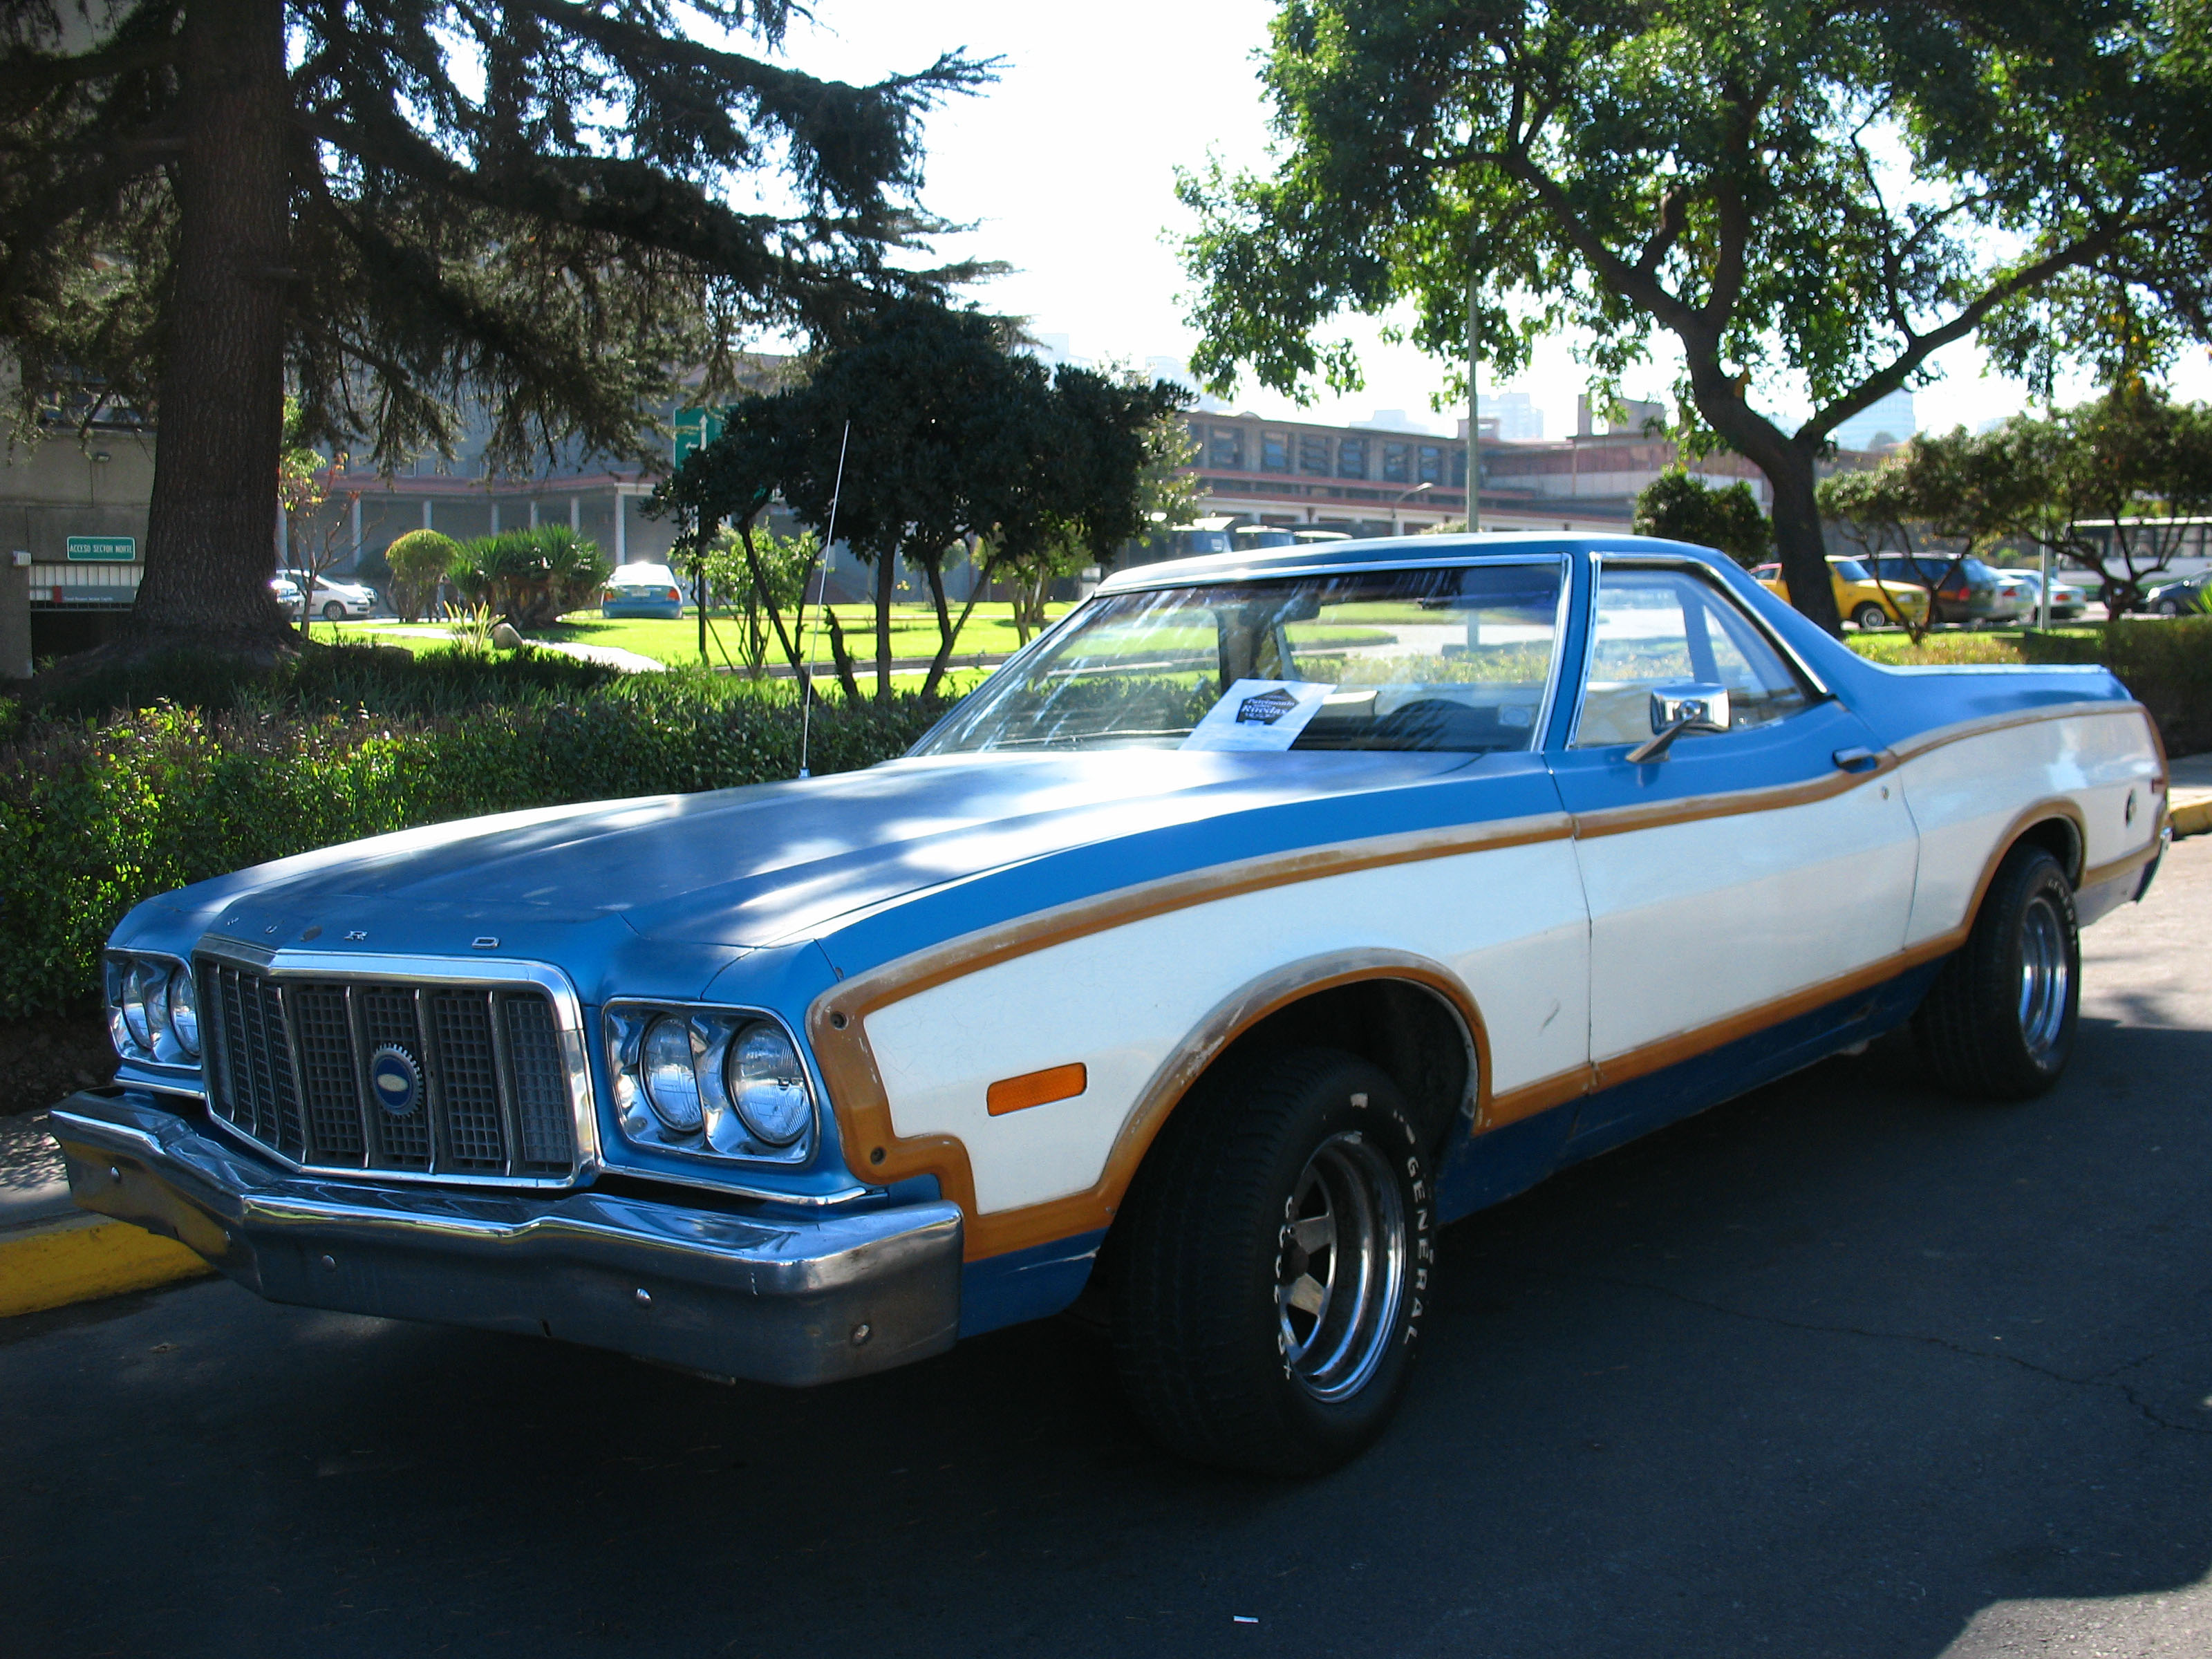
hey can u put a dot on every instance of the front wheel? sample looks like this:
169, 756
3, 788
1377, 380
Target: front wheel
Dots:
1870, 616
1270, 1268
1999, 1022
333, 611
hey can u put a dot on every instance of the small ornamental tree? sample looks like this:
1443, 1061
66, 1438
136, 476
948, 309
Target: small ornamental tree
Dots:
925, 430
1681, 508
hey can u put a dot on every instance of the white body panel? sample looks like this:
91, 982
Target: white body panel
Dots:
1693, 922
1509, 922
1965, 795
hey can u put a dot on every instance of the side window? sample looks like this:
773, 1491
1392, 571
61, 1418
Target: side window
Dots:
1657, 627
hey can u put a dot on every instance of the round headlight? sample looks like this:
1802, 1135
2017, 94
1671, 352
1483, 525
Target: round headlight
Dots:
670, 1084
137, 1017
768, 1086
184, 1011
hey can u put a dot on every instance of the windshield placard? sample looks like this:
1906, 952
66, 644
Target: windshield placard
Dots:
1259, 716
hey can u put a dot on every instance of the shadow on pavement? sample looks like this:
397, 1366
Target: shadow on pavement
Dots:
1827, 1371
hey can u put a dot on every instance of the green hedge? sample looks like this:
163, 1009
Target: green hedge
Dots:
94, 817
2167, 665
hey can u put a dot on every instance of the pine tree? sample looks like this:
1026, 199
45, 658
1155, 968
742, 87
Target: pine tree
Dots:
392, 209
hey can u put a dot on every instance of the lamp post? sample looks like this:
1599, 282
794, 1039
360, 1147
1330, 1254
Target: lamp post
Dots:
1416, 490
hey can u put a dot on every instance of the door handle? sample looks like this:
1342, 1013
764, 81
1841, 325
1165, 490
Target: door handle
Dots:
1856, 759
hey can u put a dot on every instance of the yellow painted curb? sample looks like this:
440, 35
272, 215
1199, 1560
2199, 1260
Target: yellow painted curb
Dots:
79, 1260
2192, 816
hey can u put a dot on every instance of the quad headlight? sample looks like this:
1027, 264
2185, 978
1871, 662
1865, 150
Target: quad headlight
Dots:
153, 1009
724, 1083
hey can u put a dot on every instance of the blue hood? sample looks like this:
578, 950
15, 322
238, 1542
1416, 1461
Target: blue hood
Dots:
748, 868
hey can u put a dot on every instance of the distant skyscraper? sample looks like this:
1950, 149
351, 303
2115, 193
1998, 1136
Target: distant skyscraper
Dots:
1888, 421
1519, 421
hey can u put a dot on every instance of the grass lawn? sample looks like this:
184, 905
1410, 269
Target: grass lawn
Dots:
675, 644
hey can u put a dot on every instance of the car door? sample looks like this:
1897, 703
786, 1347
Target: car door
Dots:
1737, 881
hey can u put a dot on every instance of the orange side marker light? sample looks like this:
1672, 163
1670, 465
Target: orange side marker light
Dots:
1014, 1094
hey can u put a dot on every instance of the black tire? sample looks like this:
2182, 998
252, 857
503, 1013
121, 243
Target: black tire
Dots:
1870, 616
333, 611
1220, 1353
1999, 1022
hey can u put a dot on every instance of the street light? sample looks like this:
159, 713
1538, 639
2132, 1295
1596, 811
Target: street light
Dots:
1417, 490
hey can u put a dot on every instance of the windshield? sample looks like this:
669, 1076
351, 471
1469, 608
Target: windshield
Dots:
1452, 659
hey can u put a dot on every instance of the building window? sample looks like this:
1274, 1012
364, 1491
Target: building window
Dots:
1313, 454
1227, 448
1432, 464
1197, 438
1397, 463
1352, 457
1274, 452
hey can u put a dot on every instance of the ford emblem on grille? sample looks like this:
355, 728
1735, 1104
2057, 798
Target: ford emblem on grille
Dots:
396, 1079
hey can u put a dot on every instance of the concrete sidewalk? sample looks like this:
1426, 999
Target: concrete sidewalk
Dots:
2189, 794
51, 1253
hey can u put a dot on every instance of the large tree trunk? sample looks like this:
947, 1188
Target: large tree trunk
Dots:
211, 524
1788, 463
1798, 539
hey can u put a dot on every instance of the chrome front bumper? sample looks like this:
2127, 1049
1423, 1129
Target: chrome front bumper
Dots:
793, 1302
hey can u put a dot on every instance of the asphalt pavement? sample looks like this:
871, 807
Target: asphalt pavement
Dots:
1842, 1368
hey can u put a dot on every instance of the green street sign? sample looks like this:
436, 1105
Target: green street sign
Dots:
694, 429
104, 549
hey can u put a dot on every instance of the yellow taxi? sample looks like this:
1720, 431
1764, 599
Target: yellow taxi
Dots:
1860, 600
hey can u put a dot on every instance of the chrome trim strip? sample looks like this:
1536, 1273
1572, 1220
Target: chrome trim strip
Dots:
1262, 572
489, 973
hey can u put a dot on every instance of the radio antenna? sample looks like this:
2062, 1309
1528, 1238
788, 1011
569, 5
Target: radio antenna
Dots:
806, 680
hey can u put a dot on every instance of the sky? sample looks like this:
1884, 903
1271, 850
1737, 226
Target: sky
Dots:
1065, 169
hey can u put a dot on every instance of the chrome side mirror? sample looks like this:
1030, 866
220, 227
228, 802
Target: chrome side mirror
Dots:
1676, 709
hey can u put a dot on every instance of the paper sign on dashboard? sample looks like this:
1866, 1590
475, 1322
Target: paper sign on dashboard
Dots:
1258, 715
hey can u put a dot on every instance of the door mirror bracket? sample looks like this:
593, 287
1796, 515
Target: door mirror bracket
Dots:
1676, 709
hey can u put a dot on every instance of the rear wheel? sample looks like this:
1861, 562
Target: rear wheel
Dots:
1271, 1266
1870, 616
1999, 1022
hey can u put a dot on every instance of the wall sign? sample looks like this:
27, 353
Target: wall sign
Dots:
105, 550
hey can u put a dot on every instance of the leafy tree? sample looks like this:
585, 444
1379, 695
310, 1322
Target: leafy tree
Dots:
1810, 198
1682, 508
1964, 491
419, 560
2133, 461
2109, 485
397, 208
938, 434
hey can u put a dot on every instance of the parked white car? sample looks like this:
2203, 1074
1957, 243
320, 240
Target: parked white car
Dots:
333, 601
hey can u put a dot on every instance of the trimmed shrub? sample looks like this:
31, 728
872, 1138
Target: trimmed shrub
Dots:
2167, 665
418, 562
529, 577
383, 679
95, 818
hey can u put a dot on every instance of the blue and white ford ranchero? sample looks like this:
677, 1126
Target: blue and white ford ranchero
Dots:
1269, 912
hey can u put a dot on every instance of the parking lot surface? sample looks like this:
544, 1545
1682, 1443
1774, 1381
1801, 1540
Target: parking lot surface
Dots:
1841, 1368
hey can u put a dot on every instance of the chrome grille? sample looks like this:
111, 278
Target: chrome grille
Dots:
291, 1060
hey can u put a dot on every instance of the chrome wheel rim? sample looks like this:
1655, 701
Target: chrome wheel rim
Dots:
2046, 975
1339, 1267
